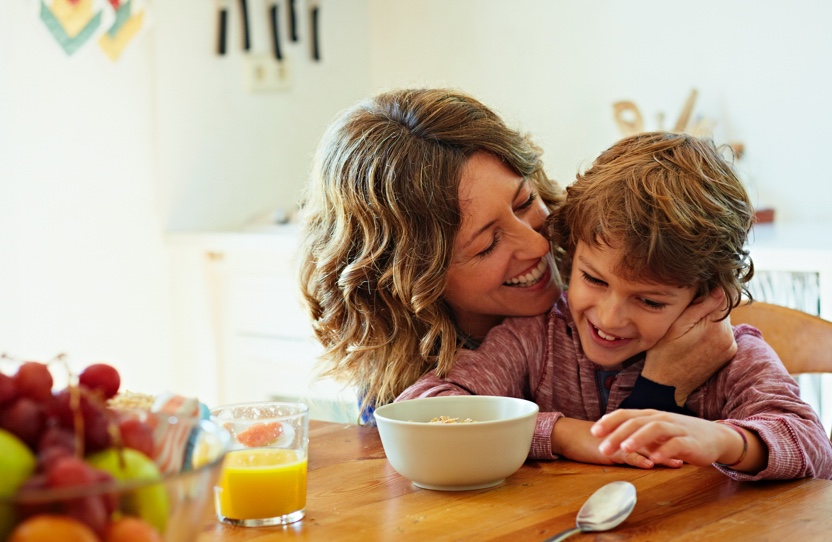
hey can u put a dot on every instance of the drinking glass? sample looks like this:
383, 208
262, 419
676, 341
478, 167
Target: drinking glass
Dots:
263, 479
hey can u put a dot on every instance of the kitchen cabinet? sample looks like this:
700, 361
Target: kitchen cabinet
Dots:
242, 333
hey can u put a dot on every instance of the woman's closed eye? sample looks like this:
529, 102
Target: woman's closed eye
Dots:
528, 203
490, 248
520, 209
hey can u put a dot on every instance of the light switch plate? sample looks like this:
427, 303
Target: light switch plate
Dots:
264, 73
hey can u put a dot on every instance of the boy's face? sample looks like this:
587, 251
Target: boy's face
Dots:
618, 318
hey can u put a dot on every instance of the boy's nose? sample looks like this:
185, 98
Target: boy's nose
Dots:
611, 314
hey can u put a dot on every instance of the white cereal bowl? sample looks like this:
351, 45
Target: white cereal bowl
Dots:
457, 456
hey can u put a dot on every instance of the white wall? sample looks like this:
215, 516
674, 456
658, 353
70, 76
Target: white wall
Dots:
98, 160
82, 269
226, 155
556, 67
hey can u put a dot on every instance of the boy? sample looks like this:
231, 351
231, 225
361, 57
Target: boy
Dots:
658, 222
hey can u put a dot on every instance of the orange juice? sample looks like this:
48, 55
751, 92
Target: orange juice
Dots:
260, 483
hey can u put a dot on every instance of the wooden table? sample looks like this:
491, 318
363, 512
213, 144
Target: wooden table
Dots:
354, 494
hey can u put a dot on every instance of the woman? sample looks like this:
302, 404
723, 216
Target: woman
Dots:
423, 229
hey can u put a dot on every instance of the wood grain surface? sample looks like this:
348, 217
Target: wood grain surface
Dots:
354, 494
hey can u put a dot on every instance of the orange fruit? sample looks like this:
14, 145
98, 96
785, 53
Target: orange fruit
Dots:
49, 528
131, 529
260, 434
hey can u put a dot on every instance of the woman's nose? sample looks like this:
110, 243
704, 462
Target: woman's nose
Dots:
531, 243
530, 239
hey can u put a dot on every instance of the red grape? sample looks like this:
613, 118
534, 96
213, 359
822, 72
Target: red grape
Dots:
55, 442
91, 510
102, 377
70, 471
34, 380
56, 436
8, 389
97, 434
50, 454
25, 418
96, 417
32, 486
137, 434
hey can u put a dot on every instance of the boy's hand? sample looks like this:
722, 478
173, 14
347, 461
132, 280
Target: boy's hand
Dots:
694, 348
573, 440
662, 435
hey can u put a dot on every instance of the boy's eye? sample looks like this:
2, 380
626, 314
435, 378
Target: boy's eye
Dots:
592, 280
653, 304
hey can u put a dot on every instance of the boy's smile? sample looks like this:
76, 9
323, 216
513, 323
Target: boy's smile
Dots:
618, 318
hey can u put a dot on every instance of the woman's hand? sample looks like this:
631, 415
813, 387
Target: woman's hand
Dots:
573, 440
695, 347
662, 435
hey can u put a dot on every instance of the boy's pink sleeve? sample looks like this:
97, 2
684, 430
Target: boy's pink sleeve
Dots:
542, 440
756, 392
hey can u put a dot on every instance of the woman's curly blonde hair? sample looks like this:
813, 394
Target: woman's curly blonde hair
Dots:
675, 207
379, 217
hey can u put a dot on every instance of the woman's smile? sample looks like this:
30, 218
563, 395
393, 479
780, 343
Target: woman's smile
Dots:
501, 265
531, 277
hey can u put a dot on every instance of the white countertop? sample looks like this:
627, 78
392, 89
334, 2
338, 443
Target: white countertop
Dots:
792, 236
252, 237
794, 247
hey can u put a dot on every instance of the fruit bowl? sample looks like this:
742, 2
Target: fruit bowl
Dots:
82, 461
171, 493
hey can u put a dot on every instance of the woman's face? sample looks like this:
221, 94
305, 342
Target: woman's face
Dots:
501, 264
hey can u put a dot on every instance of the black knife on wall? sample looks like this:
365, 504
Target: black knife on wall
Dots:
293, 20
274, 24
244, 19
314, 11
222, 24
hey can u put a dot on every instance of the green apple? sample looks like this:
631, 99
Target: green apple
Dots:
17, 463
149, 503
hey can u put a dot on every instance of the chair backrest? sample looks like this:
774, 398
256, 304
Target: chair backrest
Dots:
803, 341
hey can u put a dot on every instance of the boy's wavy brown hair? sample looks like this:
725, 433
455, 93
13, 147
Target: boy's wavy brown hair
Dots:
673, 203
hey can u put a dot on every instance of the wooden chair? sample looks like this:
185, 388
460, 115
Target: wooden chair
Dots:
803, 341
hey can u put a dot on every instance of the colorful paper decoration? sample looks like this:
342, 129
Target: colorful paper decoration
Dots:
72, 23
122, 31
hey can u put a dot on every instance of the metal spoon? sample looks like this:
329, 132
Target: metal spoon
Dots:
605, 509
